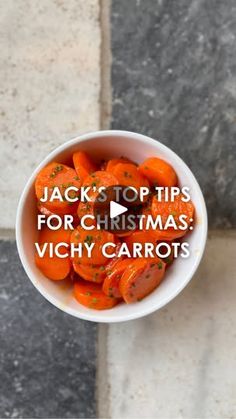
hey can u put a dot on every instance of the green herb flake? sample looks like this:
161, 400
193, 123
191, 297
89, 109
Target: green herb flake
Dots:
88, 239
159, 265
88, 293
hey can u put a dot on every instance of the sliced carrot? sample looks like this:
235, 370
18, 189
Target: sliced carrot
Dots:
61, 176
112, 262
54, 268
98, 238
43, 210
94, 182
111, 283
140, 279
93, 273
157, 234
84, 166
158, 172
124, 234
113, 162
100, 178
175, 208
91, 296
87, 208
128, 175
167, 235
46, 235
139, 236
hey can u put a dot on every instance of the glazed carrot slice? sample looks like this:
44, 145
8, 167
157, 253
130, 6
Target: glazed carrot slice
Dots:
111, 283
157, 234
46, 235
158, 172
100, 178
87, 208
175, 208
139, 236
84, 166
140, 279
43, 210
93, 273
61, 176
113, 162
96, 237
128, 175
91, 296
54, 268
94, 182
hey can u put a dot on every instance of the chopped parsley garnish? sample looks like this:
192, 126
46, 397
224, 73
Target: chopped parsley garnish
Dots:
56, 170
88, 239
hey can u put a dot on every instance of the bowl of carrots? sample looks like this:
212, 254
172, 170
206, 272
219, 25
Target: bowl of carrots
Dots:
114, 287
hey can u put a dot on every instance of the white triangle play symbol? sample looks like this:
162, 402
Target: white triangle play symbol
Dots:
116, 209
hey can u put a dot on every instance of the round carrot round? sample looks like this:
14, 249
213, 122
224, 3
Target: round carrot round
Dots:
139, 236
100, 178
46, 235
113, 162
98, 238
87, 208
128, 175
84, 166
175, 208
91, 296
111, 282
93, 273
140, 279
54, 268
158, 172
61, 176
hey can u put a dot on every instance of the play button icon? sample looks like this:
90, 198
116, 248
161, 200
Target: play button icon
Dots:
116, 209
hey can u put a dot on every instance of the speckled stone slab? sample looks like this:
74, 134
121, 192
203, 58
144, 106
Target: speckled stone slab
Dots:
50, 85
174, 78
47, 358
180, 361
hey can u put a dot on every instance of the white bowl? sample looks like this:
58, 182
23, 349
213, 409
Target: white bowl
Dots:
105, 145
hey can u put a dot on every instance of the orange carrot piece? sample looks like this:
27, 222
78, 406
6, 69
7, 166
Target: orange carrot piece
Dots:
158, 172
99, 238
139, 236
46, 235
128, 175
61, 176
54, 268
93, 273
84, 166
100, 178
113, 162
175, 208
140, 279
111, 282
91, 296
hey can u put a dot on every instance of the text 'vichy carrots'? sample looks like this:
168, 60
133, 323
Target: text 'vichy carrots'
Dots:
112, 229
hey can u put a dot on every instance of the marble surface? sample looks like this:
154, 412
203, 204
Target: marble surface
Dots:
50, 72
174, 79
180, 362
47, 358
